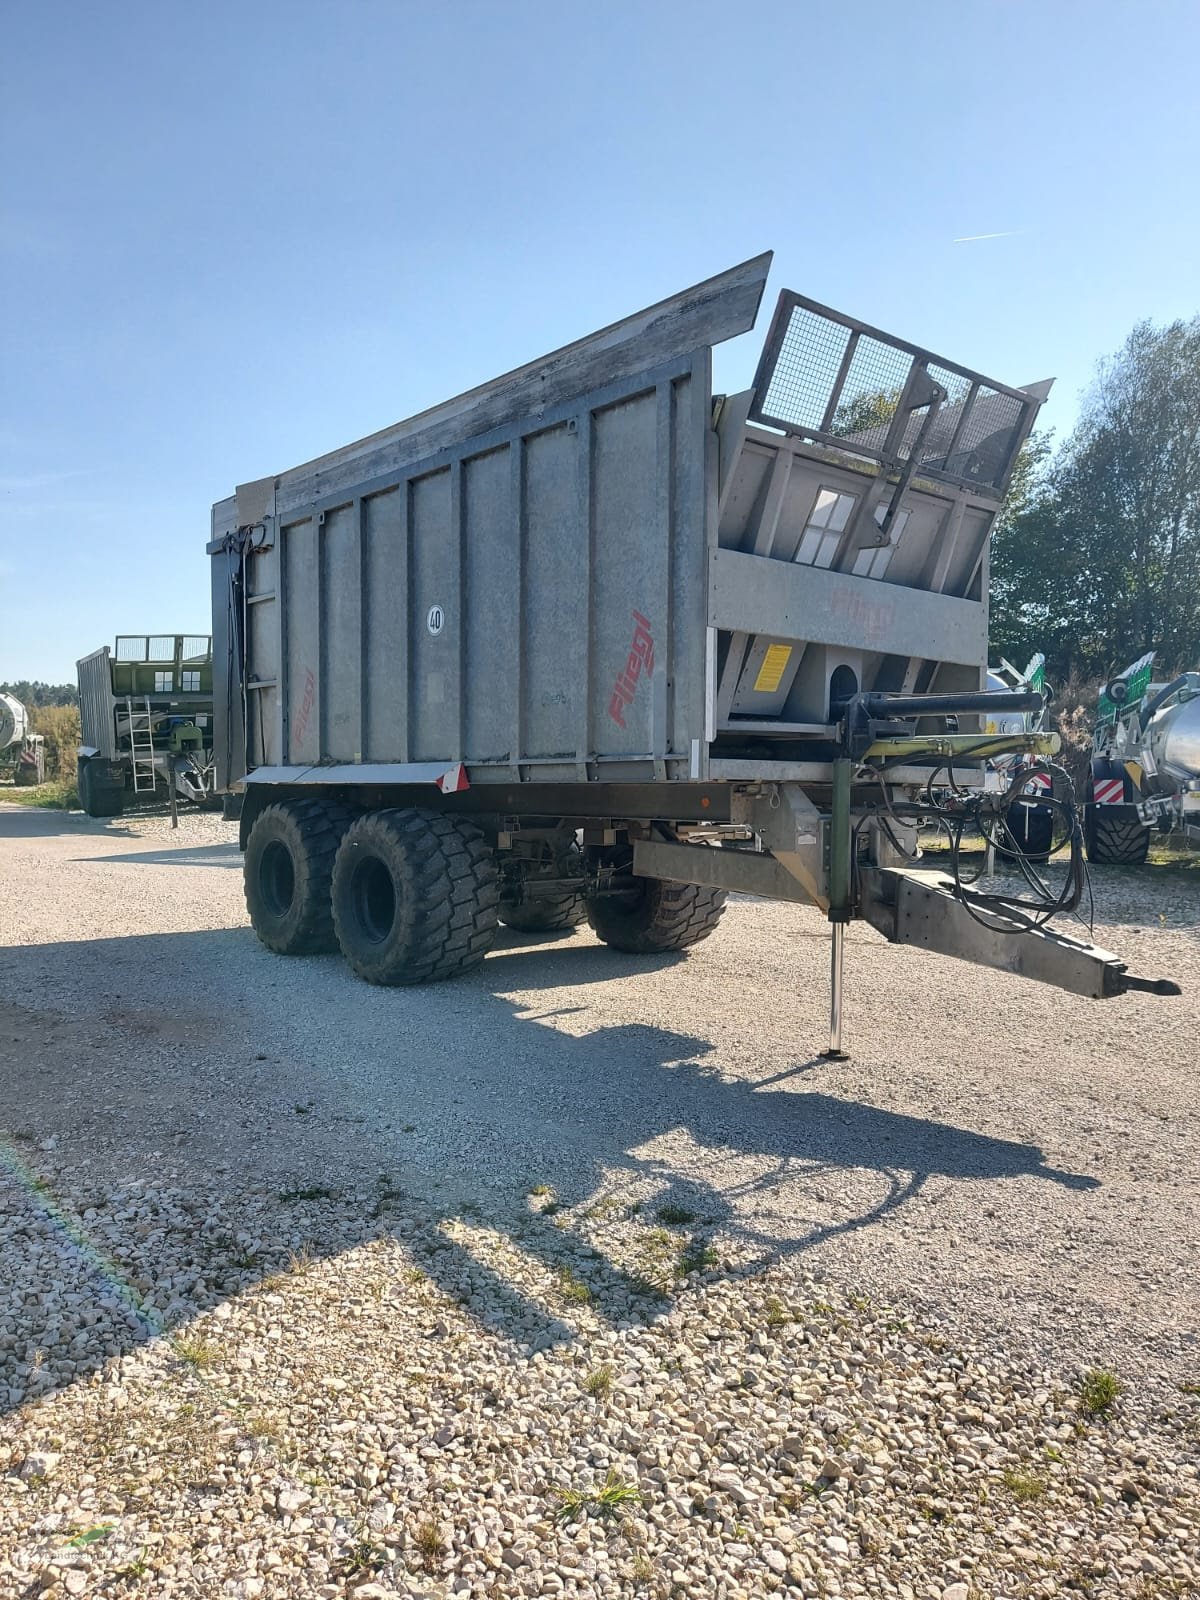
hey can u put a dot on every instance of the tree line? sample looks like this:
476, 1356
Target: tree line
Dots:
1096, 557
32, 695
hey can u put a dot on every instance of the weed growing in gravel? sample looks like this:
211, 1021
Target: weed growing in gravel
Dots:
303, 1107
315, 1191
642, 1570
362, 1555
1099, 1391
540, 1190
299, 1261
695, 1257
1189, 1388
572, 1288
244, 1259
137, 1568
198, 1353
414, 1275
675, 1216
605, 1503
599, 1382
428, 1541
1023, 1486
775, 1314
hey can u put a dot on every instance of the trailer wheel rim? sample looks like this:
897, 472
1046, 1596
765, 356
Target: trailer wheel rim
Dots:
373, 894
277, 878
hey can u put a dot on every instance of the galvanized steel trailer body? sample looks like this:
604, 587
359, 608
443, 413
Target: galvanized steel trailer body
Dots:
593, 596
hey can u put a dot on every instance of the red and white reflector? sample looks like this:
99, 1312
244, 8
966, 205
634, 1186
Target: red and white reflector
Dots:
1040, 783
1108, 791
454, 779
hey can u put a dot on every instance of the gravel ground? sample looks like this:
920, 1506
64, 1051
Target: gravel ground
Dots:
584, 1275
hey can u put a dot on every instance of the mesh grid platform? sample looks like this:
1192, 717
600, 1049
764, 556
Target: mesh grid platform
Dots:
826, 377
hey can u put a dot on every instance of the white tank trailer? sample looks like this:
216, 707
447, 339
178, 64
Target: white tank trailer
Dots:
22, 752
1145, 770
594, 642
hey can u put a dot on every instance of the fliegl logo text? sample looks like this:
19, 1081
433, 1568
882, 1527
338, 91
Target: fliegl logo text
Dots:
641, 659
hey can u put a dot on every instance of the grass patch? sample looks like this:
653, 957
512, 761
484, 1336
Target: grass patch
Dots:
540, 1190
775, 1313
58, 795
675, 1216
316, 1191
1023, 1486
197, 1353
599, 1382
572, 1288
605, 1503
1099, 1391
696, 1257
429, 1544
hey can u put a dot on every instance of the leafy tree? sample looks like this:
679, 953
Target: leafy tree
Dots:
1096, 557
865, 411
41, 694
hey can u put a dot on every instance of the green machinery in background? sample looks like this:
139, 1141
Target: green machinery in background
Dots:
1145, 769
146, 718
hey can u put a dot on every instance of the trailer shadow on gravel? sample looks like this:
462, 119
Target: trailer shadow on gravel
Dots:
334, 1113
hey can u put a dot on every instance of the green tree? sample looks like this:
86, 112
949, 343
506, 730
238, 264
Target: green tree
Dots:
35, 693
1096, 556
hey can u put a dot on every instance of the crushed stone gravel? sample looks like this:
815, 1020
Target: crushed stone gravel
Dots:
584, 1276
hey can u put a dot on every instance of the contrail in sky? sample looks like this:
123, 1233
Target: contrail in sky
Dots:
973, 238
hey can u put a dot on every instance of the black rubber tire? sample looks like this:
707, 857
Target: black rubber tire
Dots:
657, 916
415, 896
551, 913
96, 799
288, 868
1033, 827
1114, 837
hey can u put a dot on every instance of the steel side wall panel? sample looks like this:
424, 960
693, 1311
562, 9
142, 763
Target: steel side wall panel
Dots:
302, 712
433, 659
385, 602
341, 625
541, 548
629, 568
492, 556
554, 594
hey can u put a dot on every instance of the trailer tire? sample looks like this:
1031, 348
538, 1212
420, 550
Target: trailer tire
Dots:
95, 798
288, 870
656, 916
1114, 836
415, 896
550, 913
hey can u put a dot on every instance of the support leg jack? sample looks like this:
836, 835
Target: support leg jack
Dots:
836, 967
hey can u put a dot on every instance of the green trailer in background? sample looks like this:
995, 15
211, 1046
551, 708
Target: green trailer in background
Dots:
146, 717
1145, 764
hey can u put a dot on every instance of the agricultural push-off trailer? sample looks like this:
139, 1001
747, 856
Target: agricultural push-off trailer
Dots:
592, 641
146, 716
1145, 764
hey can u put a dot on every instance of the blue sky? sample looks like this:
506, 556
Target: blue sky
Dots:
235, 235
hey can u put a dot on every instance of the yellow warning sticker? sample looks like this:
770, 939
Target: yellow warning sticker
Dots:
770, 674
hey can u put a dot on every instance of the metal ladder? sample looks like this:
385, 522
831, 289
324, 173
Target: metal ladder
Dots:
141, 745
